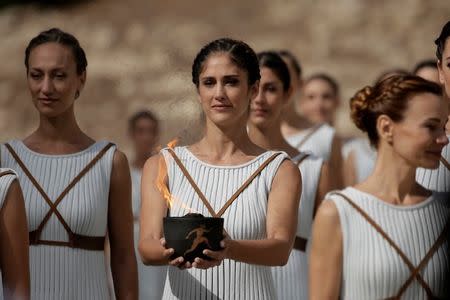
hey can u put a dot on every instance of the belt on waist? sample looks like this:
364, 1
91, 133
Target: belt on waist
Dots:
95, 243
300, 243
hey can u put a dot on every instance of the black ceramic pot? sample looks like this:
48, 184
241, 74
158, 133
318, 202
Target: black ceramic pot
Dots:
191, 234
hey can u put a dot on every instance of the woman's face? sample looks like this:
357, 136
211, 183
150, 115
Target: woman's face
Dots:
52, 78
319, 101
420, 136
444, 68
144, 136
224, 91
428, 73
266, 108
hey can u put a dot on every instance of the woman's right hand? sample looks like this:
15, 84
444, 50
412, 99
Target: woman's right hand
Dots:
177, 262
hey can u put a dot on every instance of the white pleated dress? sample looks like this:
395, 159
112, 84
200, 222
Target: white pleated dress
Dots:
61, 272
436, 179
245, 219
319, 143
151, 278
364, 157
291, 280
372, 269
5, 183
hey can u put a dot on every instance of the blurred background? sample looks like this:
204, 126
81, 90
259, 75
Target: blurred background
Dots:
140, 52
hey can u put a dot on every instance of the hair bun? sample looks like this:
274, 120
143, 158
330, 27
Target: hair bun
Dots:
359, 106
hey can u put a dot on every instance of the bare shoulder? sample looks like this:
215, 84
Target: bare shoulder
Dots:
328, 214
120, 160
288, 171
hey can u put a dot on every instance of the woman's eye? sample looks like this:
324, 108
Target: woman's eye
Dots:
232, 82
35, 75
208, 82
60, 76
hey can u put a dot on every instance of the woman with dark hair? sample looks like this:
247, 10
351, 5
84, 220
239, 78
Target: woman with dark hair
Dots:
439, 179
76, 189
260, 223
143, 130
13, 239
291, 281
388, 237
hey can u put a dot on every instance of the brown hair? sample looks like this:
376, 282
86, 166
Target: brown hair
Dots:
388, 97
328, 79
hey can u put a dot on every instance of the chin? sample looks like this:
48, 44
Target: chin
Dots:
429, 164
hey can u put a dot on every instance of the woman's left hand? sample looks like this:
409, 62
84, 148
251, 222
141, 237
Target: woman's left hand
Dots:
216, 256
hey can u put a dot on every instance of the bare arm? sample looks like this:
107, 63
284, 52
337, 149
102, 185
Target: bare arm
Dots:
120, 229
325, 269
14, 245
153, 210
281, 222
335, 164
323, 187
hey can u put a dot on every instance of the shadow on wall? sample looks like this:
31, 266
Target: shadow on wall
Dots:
42, 3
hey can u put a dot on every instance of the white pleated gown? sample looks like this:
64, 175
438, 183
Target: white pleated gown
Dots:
436, 179
319, 143
364, 157
151, 278
245, 219
5, 183
372, 269
58, 272
291, 280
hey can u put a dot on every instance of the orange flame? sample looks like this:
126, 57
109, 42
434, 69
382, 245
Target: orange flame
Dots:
161, 183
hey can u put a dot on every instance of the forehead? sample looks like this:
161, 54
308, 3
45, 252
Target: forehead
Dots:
220, 64
51, 55
424, 106
268, 75
318, 84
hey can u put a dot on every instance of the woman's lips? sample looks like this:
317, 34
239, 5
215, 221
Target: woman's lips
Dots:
221, 107
259, 112
47, 101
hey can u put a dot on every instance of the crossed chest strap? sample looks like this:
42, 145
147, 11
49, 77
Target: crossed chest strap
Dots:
75, 240
415, 271
308, 136
233, 197
445, 163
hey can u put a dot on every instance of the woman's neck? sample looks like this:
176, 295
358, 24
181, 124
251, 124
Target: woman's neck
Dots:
292, 122
62, 131
270, 137
393, 179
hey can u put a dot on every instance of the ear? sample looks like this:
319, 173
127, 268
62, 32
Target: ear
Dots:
441, 73
254, 90
82, 79
385, 128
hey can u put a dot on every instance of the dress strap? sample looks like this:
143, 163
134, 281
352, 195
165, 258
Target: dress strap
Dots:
75, 240
415, 271
445, 163
4, 173
308, 135
233, 197
299, 162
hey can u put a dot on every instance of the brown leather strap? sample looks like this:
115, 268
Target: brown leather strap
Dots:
300, 243
307, 136
441, 239
302, 159
414, 271
445, 163
246, 184
192, 182
233, 197
74, 239
4, 173
95, 243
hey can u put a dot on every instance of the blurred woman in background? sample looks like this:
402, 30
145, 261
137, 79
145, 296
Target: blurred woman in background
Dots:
143, 130
388, 237
319, 102
291, 281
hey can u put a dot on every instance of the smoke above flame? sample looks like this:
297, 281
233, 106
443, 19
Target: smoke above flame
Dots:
162, 186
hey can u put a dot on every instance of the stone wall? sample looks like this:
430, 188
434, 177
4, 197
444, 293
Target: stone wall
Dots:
140, 52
